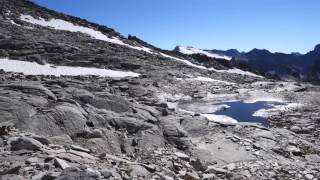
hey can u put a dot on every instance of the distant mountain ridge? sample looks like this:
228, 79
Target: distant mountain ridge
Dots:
293, 66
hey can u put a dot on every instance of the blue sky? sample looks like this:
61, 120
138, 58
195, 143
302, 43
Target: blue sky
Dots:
276, 25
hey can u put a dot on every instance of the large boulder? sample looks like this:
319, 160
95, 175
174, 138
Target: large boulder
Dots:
61, 119
73, 173
132, 125
19, 143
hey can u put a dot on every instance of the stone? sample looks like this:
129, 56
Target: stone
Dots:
73, 173
32, 160
198, 164
82, 154
78, 148
132, 125
138, 171
106, 173
20, 143
51, 176
182, 156
216, 170
209, 176
41, 139
12, 177
231, 166
191, 176
294, 150
31, 89
62, 140
309, 176
92, 173
61, 163
295, 129
110, 173
12, 170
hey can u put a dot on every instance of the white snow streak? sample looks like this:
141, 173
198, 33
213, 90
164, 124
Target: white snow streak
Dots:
59, 24
205, 79
220, 118
192, 50
32, 68
276, 108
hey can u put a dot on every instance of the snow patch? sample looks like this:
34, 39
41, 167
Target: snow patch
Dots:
239, 71
59, 24
192, 50
254, 96
230, 71
32, 68
14, 23
276, 108
203, 108
220, 118
204, 79
220, 97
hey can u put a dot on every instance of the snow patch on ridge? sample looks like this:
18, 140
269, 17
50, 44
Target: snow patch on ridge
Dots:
32, 68
192, 50
230, 71
59, 24
205, 79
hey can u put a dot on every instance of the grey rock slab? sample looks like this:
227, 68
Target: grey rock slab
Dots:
41, 139
20, 143
64, 140
132, 125
191, 176
138, 171
198, 164
31, 88
73, 173
224, 151
12, 177
182, 156
78, 148
82, 154
51, 176
61, 163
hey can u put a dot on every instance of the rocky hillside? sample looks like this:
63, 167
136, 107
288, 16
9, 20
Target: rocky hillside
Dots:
80, 101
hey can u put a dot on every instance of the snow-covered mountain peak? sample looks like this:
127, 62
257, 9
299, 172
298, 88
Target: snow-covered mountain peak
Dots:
191, 50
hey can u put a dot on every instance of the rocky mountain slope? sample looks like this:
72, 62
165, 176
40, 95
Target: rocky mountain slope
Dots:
120, 116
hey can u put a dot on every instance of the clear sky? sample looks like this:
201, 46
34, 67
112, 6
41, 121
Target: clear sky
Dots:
276, 25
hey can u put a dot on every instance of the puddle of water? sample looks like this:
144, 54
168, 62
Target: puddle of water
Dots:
243, 112
238, 110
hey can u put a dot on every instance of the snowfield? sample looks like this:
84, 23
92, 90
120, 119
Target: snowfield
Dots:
32, 68
59, 24
192, 50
